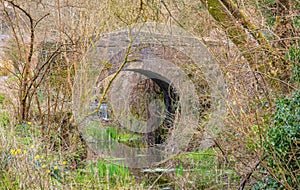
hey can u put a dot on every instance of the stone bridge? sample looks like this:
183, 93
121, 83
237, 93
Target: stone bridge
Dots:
190, 91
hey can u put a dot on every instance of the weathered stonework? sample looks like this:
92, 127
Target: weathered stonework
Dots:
161, 53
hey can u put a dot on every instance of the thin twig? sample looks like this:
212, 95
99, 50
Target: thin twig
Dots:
37, 22
273, 78
243, 183
171, 15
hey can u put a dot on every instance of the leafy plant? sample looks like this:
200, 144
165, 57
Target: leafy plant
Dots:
282, 145
293, 55
1, 98
4, 119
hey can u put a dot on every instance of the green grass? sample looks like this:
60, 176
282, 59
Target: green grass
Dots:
30, 159
1, 98
205, 171
107, 136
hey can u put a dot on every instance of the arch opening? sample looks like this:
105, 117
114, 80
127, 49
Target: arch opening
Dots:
153, 96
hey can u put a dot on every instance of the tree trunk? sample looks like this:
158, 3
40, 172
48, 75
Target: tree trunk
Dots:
253, 45
234, 31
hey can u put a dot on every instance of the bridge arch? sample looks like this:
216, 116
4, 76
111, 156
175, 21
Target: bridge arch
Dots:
178, 63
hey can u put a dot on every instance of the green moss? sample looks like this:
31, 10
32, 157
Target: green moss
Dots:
218, 11
235, 31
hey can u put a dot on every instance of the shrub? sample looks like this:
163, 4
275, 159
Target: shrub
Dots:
282, 143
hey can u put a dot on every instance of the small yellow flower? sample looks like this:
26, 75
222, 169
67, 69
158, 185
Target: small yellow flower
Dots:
48, 171
55, 168
13, 152
44, 166
29, 123
31, 147
37, 157
18, 151
64, 162
24, 151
